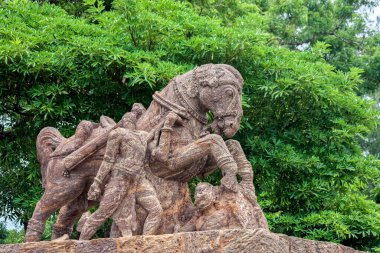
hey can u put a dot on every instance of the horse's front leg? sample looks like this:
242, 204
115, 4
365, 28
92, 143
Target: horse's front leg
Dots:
211, 147
188, 157
246, 173
244, 167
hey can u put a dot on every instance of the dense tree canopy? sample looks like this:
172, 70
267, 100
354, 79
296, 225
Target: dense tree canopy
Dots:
303, 120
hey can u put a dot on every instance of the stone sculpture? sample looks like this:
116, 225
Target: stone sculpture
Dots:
220, 208
180, 145
124, 157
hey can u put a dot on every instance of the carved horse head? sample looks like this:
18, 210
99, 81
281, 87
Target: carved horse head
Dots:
216, 88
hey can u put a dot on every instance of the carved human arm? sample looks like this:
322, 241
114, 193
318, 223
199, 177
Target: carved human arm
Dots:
112, 149
106, 166
161, 153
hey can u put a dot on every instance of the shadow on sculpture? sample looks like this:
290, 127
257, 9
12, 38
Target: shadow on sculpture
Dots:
139, 167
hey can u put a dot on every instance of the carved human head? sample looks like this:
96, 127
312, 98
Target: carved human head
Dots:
138, 109
205, 195
129, 121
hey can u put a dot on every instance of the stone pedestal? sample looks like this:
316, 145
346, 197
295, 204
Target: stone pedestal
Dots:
239, 240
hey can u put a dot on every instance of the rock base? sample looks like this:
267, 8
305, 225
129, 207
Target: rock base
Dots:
239, 240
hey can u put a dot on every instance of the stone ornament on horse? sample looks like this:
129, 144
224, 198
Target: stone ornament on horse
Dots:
179, 148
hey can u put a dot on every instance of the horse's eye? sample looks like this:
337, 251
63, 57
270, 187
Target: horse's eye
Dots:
230, 93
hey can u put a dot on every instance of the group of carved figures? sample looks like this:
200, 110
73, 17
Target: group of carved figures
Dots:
138, 170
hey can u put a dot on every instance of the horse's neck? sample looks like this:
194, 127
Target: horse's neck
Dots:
148, 120
156, 113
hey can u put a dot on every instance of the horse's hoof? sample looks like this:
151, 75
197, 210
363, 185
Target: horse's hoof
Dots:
62, 238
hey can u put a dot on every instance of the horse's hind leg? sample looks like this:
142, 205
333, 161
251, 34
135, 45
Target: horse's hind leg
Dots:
51, 201
68, 214
43, 210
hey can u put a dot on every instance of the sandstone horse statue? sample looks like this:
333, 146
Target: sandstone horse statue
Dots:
192, 148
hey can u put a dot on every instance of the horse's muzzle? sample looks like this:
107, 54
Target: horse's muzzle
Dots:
230, 126
229, 132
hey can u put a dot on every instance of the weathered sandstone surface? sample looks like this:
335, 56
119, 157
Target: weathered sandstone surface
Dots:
238, 240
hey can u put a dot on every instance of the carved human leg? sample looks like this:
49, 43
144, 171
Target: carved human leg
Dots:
83, 220
115, 231
124, 218
146, 197
144, 194
114, 193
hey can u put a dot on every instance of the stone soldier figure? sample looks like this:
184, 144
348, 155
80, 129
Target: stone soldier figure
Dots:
124, 158
220, 208
210, 213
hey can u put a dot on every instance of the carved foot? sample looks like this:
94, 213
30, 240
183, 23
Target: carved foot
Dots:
62, 238
60, 230
34, 230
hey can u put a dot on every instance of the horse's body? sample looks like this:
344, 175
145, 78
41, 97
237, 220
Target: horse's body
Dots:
215, 88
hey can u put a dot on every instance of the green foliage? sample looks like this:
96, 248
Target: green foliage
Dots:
10, 236
14, 236
3, 233
302, 118
354, 229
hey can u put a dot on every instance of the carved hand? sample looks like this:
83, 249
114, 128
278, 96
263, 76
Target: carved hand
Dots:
171, 119
230, 183
94, 192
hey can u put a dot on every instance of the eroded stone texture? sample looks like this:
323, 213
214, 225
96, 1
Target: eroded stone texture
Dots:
124, 160
226, 241
202, 241
259, 240
179, 146
139, 168
47, 247
10, 248
218, 207
99, 246
164, 243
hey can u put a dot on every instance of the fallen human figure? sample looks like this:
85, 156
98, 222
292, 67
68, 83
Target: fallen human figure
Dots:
217, 207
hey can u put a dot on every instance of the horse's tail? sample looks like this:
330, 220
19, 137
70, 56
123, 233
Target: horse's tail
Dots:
47, 141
